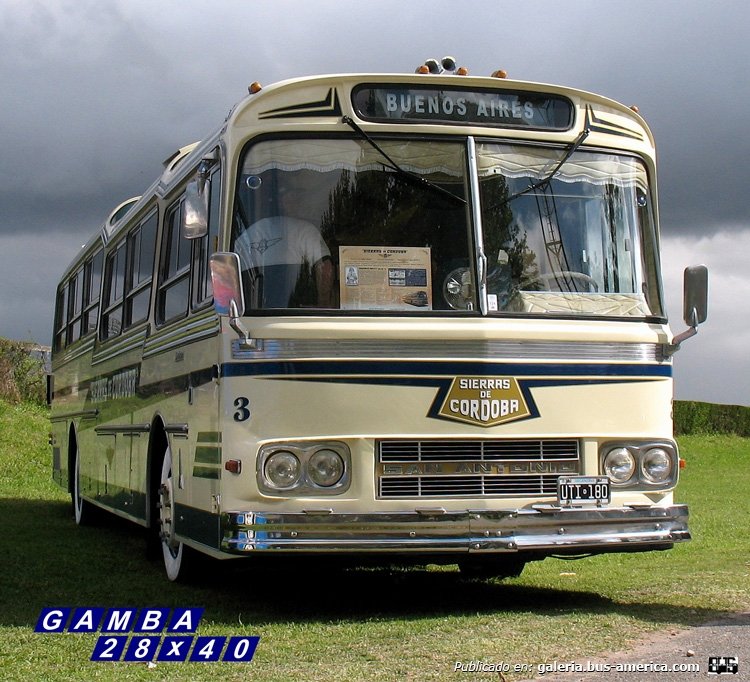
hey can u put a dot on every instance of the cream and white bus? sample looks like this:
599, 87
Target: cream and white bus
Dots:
395, 317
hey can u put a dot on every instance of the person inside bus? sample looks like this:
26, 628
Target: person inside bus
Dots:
285, 257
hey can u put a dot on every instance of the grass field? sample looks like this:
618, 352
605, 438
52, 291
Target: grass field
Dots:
357, 625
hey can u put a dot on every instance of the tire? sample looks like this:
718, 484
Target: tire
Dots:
175, 554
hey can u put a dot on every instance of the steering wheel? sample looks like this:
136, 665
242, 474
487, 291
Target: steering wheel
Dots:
557, 276
458, 291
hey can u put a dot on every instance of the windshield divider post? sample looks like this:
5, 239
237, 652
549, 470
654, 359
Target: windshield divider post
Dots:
476, 221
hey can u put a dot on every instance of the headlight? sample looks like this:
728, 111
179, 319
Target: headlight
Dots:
619, 465
283, 469
325, 468
656, 465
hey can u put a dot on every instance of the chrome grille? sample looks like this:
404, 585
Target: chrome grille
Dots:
474, 468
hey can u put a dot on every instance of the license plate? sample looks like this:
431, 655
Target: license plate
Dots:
575, 490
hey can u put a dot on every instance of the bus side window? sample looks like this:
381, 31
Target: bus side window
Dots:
61, 316
141, 247
75, 305
206, 246
114, 274
92, 286
174, 274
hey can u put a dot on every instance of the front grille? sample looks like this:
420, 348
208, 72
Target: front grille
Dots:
474, 468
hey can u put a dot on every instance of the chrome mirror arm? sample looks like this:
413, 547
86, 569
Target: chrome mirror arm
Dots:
245, 342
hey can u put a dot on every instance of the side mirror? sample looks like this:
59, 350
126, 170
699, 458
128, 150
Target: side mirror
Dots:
195, 209
695, 304
225, 277
229, 299
695, 295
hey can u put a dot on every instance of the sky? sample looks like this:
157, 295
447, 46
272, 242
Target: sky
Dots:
95, 94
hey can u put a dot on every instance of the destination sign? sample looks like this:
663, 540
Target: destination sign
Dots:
502, 108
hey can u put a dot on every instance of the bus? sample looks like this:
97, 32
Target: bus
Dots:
395, 318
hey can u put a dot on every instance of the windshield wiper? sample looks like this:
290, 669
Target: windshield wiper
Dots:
413, 178
546, 180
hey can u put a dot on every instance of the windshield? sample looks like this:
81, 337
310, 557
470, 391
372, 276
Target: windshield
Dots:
579, 242
352, 225
335, 224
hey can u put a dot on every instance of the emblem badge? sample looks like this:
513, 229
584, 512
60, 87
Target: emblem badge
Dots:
484, 401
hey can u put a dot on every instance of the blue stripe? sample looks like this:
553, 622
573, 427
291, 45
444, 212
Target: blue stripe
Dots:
345, 370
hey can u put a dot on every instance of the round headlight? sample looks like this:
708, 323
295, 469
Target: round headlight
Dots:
619, 465
325, 468
282, 469
656, 465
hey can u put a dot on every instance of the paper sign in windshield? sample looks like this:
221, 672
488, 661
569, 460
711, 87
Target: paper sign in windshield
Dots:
385, 278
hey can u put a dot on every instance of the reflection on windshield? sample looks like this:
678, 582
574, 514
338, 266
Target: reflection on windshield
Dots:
332, 224
357, 225
581, 243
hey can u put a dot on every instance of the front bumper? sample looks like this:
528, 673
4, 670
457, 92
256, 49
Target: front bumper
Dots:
542, 530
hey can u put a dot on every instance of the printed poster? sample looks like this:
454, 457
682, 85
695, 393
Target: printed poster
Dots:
385, 278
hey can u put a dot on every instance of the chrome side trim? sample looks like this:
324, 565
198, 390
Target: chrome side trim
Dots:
82, 414
124, 429
300, 349
73, 352
119, 346
549, 531
199, 328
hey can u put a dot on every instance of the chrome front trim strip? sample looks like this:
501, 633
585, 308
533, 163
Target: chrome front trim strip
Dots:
542, 531
376, 349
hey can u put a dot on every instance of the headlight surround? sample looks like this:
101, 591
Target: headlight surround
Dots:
324, 468
619, 465
654, 464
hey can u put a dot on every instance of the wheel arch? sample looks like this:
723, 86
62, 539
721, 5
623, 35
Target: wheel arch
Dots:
72, 449
157, 444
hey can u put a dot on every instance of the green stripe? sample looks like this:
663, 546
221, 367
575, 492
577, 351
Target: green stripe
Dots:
206, 472
206, 454
209, 436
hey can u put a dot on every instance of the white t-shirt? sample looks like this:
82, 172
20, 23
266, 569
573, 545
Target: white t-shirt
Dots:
276, 248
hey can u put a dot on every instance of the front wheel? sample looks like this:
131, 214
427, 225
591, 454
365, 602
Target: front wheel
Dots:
174, 551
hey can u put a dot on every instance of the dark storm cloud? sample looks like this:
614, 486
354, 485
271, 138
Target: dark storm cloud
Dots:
95, 95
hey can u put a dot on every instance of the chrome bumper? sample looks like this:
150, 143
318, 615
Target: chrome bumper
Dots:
542, 530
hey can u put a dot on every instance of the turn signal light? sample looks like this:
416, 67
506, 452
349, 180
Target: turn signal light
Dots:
233, 466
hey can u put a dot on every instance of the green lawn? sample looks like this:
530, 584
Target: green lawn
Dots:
357, 625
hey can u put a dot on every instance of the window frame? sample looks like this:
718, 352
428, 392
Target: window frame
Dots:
167, 280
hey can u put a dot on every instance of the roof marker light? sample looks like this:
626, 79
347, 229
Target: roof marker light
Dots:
254, 88
445, 65
500, 73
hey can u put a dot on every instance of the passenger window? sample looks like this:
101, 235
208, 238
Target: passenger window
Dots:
141, 245
92, 286
174, 287
61, 316
114, 292
208, 245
